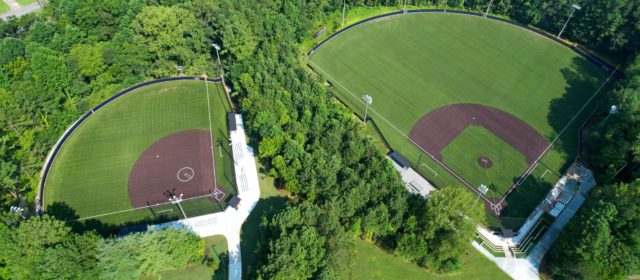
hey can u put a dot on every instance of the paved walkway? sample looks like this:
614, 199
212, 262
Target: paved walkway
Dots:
520, 269
541, 248
528, 268
229, 222
17, 10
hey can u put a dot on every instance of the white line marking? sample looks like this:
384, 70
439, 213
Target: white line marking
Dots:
427, 166
545, 173
532, 167
213, 162
462, 180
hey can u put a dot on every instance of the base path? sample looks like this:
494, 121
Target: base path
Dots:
438, 128
229, 222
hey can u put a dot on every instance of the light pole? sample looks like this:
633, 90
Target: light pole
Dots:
575, 7
488, 8
404, 6
367, 101
344, 9
612, 111
176, 200
221, 69
213, 161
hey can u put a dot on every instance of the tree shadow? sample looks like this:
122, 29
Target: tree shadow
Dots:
253, 235
222, 272
62, 211
522, 201
583, 80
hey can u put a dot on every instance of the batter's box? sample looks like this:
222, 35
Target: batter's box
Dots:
217, 194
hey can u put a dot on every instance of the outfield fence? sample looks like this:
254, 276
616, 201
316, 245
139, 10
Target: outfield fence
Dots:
575, 47
58, 145
373, 123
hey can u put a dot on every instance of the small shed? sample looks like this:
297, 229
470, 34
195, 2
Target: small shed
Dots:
231, 118
403, 162
234, 202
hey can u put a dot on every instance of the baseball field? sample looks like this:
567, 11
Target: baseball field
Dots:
467, 100
143, 148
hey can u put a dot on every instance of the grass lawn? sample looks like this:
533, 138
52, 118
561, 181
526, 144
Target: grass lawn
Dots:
25, 2
412, 64
505, 159
4, 7
253, 235
374, 263
90, 174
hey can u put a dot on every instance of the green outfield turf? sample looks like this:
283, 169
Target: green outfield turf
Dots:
506, 160
25, 2
4, 7
90, 173
412, 64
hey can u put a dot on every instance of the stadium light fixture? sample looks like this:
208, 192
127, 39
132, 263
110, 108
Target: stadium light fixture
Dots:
221, 69
612, 111
575, 7
217, 47
488, 8
367, 102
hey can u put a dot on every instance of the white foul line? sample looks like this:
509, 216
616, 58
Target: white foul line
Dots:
213, 162
402, 133
532, 167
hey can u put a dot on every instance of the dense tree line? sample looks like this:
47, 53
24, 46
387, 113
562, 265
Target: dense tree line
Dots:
57, 65
603, 240
614, 139
45, 248
610, 26
342, 186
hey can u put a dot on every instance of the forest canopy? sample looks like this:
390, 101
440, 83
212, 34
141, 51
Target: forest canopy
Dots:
57, 64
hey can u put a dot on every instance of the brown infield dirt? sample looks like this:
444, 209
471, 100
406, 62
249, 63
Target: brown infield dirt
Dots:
485, 162
438, 128
180, 163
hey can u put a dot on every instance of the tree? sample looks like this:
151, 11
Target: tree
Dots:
173, 36
148, 253
603, 239
298, 254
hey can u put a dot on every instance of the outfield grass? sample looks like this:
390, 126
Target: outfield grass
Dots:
373, 263
4, 7
90, 173
507, 161
25, 2
412, 64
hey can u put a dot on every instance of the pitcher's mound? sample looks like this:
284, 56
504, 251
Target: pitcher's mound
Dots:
485, 162
180, 162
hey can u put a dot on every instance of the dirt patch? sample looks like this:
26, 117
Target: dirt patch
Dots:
485, 162
438, 128
180, 162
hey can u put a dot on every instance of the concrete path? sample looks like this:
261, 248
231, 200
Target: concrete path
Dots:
229, 222
541, 248
18, 11
520, 269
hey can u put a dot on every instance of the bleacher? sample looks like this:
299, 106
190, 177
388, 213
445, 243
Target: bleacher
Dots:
484, 241
530, 240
